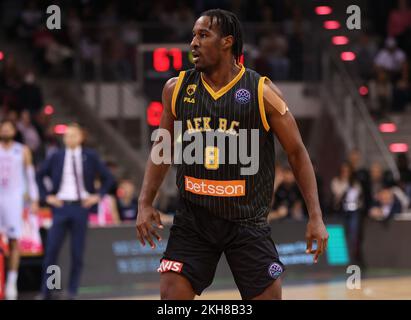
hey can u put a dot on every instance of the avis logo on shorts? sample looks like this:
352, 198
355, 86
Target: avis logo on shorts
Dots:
169, 265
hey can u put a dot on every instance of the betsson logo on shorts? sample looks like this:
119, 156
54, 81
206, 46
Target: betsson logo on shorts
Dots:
217, 188
169, 265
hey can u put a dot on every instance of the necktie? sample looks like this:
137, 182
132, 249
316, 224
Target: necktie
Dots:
76, 177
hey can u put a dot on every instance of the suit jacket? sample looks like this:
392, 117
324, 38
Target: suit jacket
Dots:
93, 167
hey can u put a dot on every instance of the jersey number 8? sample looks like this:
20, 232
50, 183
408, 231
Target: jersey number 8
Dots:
211, 158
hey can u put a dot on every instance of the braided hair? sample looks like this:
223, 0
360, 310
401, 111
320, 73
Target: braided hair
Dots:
229, 26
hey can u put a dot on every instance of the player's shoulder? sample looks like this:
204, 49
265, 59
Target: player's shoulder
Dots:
18, 146
272, 95
268, 84
252, 72
271, 86
171, 83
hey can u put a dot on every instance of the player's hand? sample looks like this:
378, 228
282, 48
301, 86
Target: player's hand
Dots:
147, 216
316, 231
90, 201
53, 201
34, 207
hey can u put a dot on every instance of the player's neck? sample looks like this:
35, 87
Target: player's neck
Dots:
6, 144
221, 75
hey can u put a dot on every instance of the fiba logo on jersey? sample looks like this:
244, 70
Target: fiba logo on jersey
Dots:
275, 270
242, 96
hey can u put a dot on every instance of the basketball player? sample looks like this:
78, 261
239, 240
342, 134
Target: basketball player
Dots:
16, 177
223, 210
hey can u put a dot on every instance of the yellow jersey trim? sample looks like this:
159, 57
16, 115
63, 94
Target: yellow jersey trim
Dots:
224, 89
261, 103
175, 92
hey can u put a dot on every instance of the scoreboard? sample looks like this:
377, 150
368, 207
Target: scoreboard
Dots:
156, 64
159, 62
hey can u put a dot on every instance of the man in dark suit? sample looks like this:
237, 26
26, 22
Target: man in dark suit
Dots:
73, 171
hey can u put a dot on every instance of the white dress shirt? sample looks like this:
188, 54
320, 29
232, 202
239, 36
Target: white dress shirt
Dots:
390, 61
68, 191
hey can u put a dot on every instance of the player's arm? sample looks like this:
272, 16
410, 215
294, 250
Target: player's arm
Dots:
33, 190
283, 124
154, 176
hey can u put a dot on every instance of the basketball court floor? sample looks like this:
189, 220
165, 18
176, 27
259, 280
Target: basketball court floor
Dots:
386, 288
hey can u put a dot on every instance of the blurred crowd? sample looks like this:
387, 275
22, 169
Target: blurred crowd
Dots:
370, 190
21, 101
357, 192
383, 57
106, 33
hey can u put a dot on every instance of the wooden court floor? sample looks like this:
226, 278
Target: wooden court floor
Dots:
393, 288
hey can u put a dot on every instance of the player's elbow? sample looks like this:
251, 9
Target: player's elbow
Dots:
297, 154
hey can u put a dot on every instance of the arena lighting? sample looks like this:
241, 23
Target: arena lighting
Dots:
387, 127
347, 56
323, 10
398, 147
363, 90
1, 55
339, 40
154, 111
60, 128
331, 25
48, 110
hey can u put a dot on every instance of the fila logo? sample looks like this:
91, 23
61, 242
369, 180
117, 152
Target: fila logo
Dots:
189, 100
169, 265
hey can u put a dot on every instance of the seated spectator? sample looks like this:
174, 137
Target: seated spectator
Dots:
380, 94
399, 19
288, 202
127, 201
393, 61
385, 206
401, 196
339, 186
379, 178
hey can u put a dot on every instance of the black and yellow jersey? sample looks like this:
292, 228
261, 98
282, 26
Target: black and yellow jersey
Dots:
221, 187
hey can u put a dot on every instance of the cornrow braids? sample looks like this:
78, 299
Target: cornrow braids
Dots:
229, 26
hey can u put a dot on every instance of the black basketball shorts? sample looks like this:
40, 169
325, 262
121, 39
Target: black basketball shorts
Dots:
197, 240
